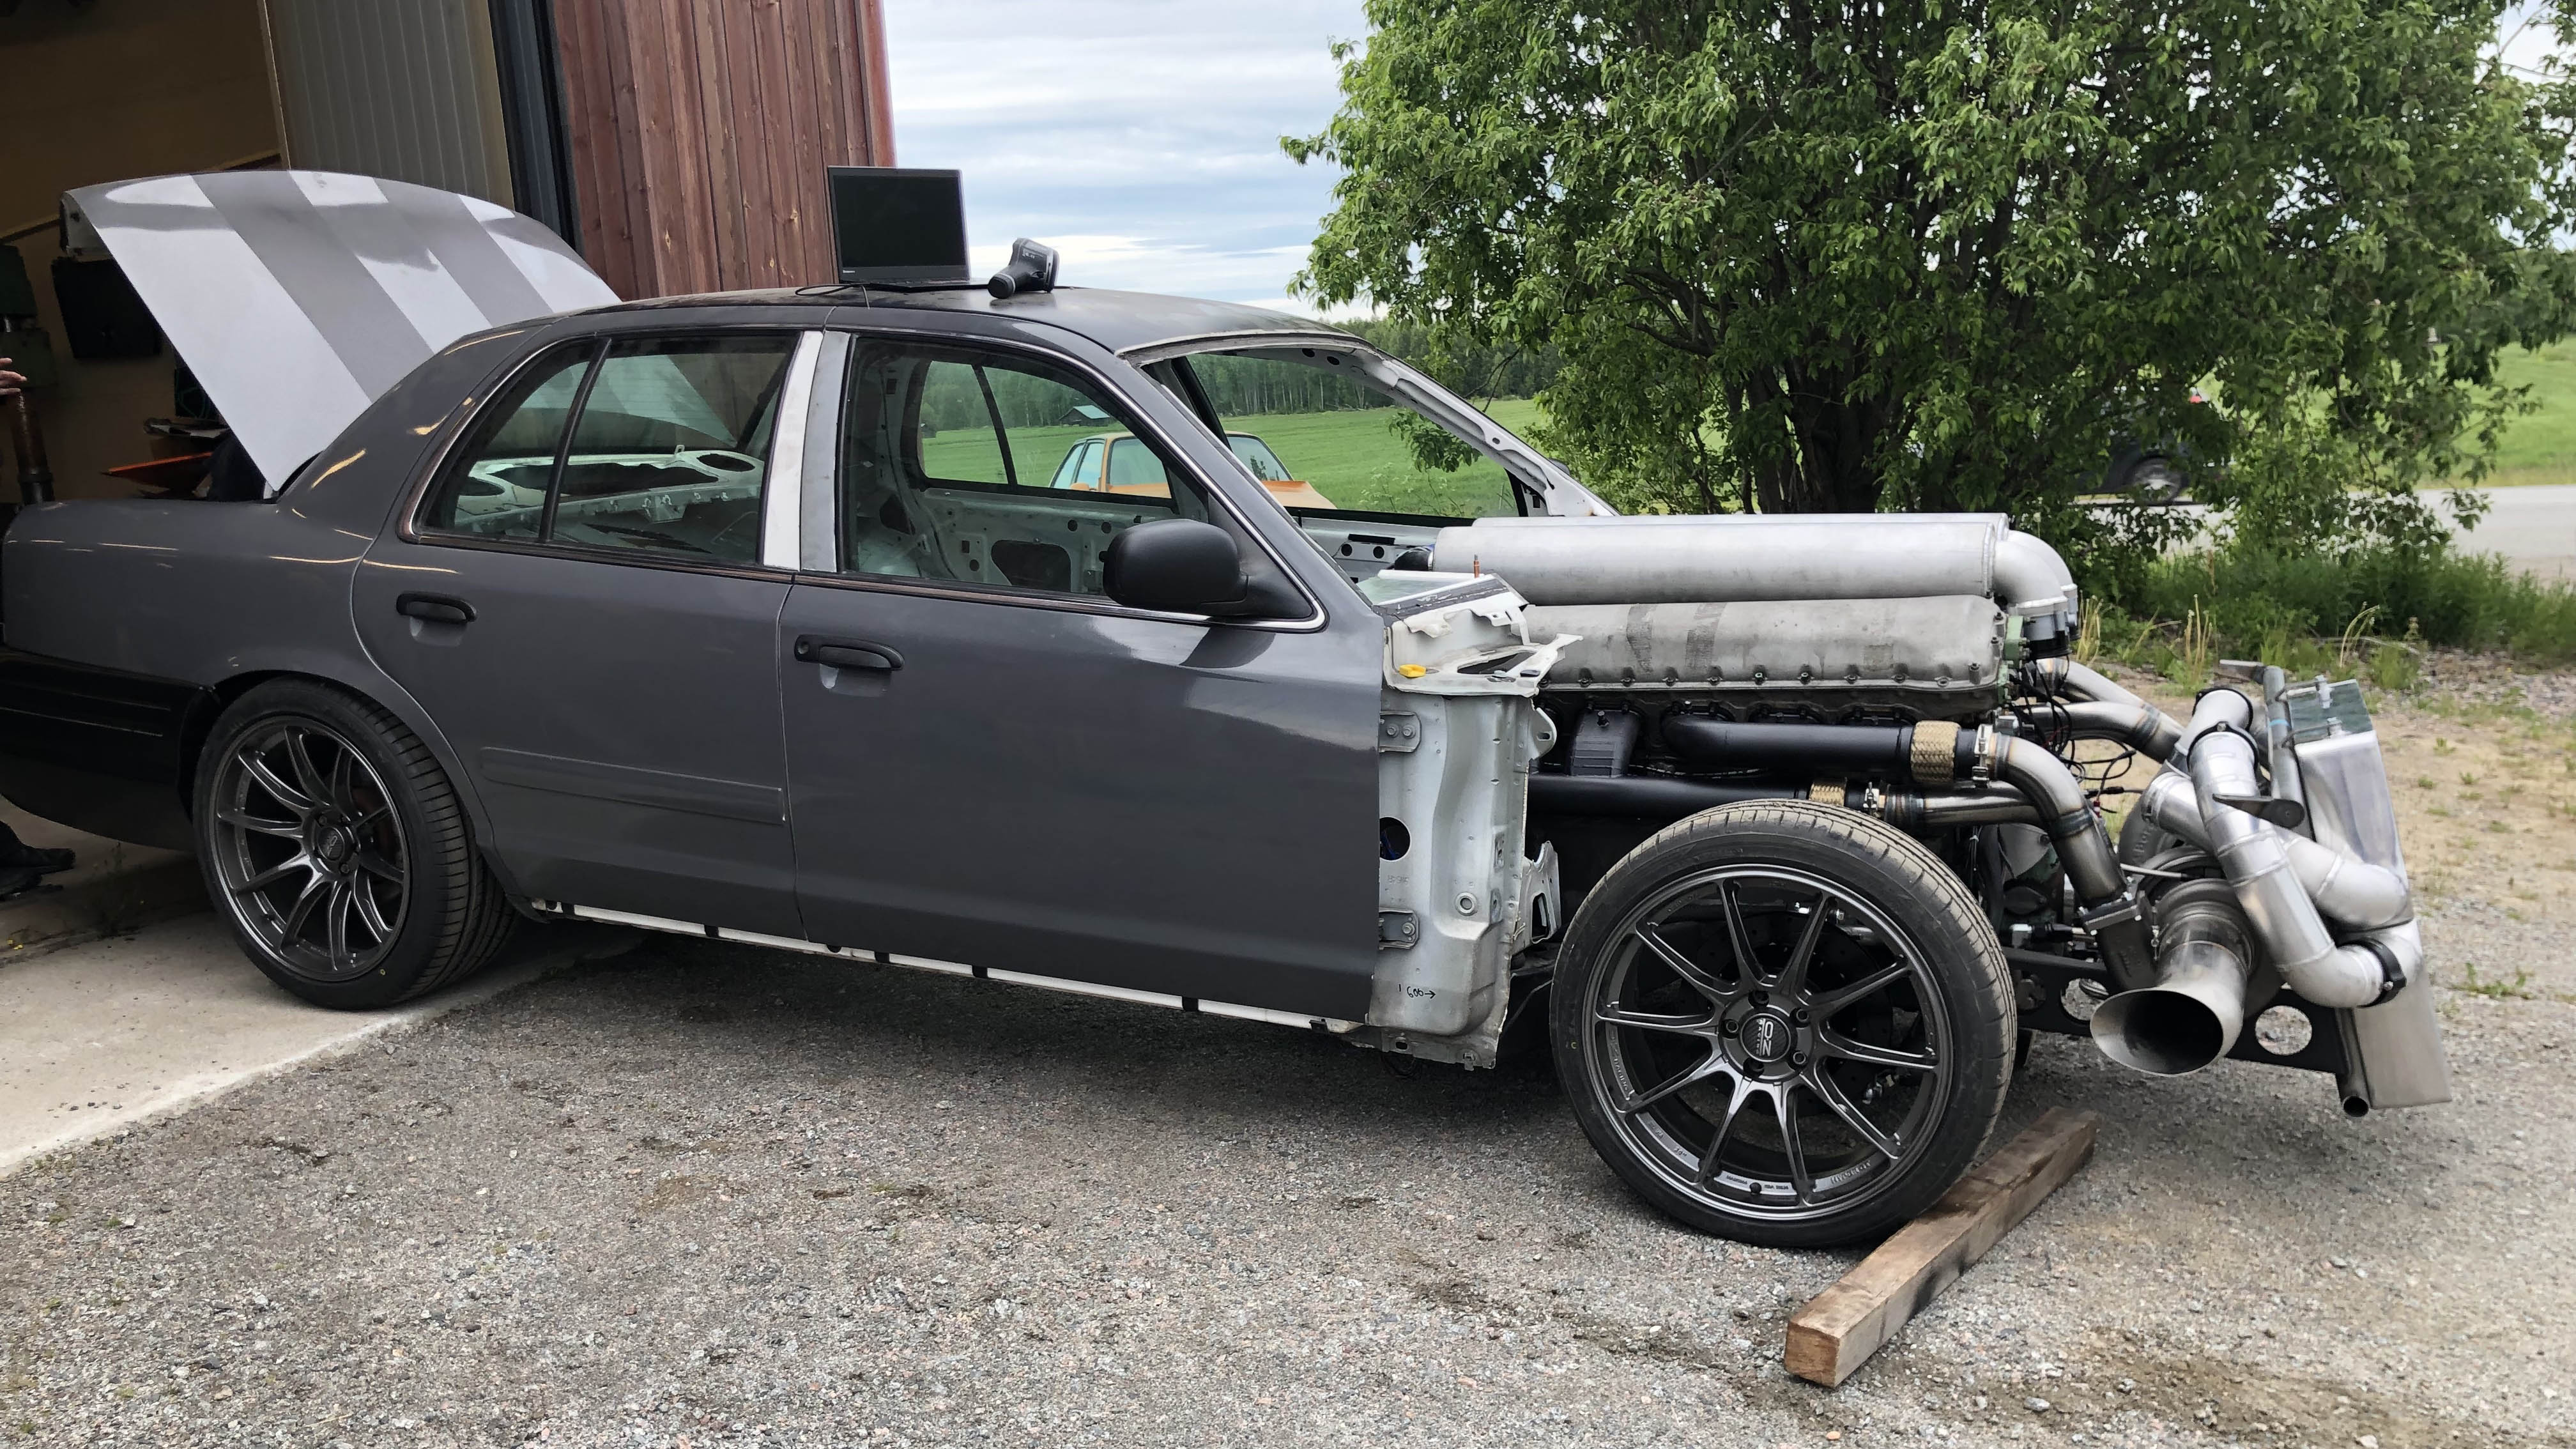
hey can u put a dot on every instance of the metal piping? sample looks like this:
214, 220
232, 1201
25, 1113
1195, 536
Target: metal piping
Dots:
2063, 675
1907, 810
1741, 558
2349, 892
2142, 727
2110, 912
1648, 797
1938, 754
2193, 1014
2257, 863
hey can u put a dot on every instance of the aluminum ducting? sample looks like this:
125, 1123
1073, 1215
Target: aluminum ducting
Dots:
1934, 655
2257, 863
2192, 1015
2351, 893
2064, 676
2142, 727
1745, 557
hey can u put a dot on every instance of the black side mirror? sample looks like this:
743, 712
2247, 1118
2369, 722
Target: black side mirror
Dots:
1175, 565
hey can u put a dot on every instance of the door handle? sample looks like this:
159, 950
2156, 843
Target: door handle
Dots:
436, 608
848, 654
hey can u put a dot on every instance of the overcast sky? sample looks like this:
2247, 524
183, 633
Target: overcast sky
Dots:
1140, 138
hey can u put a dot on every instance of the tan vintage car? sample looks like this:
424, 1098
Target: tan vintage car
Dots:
1118, 463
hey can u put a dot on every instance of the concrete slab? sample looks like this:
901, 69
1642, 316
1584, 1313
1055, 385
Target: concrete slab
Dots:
101, 1036
112, 887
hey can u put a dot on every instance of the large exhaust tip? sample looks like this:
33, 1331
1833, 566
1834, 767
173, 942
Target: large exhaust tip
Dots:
2162, 1032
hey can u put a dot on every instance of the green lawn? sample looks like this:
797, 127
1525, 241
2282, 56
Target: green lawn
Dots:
1352, 458
2540, 447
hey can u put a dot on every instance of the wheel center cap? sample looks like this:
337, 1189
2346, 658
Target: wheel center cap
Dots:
334, 846
1765, 1036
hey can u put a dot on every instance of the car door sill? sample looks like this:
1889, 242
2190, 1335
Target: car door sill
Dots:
1329, 1025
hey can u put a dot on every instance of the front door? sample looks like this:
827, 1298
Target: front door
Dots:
584, 612
992, 764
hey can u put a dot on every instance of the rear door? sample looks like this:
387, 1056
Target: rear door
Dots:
994, 764
584, 605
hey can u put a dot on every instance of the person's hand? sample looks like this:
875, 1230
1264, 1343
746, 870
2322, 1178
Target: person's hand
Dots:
10, 382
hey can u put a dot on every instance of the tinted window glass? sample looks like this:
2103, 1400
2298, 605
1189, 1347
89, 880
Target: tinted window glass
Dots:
496, 486
948, 461
673, 446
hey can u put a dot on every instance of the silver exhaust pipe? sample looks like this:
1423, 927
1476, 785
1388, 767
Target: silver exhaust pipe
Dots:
2193, 1014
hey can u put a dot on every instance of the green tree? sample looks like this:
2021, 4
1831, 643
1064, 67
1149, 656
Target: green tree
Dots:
1798, 255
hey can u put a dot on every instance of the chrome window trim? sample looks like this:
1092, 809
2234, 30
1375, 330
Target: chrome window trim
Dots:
820, 546
782, 483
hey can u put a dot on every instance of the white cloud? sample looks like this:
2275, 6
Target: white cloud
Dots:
1140, 138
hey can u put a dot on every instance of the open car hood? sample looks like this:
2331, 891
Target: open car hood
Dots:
299, 297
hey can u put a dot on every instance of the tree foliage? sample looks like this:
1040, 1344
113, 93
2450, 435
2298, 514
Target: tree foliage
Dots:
1801, 255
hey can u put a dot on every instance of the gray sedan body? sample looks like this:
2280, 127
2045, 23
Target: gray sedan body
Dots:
1047, 782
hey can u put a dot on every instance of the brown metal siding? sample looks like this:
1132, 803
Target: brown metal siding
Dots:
700, 130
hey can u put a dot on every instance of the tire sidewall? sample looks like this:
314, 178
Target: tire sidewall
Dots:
427, 893
1902, 879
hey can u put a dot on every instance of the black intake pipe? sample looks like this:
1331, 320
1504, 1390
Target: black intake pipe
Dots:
1936, 755
1646, 797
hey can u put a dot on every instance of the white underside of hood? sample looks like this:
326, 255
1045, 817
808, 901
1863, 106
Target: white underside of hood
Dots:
299, 297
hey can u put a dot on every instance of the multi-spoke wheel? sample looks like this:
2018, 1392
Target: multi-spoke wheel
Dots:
334, 846
1784, 1023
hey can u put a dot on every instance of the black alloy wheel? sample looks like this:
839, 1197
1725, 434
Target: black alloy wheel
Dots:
309, 854
1784, 1023
337, 851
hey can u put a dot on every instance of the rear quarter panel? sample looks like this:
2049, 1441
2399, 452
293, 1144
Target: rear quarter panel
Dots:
136, 620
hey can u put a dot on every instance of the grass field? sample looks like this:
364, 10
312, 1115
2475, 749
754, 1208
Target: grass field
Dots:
2540, 447
1352, 458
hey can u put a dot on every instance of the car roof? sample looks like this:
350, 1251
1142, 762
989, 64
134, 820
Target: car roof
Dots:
1118, 321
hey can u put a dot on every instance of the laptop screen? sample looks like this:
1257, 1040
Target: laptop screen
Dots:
894, 225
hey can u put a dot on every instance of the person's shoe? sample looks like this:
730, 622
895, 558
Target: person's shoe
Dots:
17, 880
16, 852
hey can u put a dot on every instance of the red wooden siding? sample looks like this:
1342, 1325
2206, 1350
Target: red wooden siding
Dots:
700, 130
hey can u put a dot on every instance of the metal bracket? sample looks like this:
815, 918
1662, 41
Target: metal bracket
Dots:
1397, 930
1399, 734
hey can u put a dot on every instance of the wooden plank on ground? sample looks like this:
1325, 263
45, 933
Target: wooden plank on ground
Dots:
1838, 1329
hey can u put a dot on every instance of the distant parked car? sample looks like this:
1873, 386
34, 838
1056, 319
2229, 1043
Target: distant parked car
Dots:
1120, 463
2155, 470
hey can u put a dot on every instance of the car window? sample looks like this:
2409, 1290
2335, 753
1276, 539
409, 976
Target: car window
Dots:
1256, 455
1306, 421
1081, 466
981, 469
667, 455
496, 485
672, 448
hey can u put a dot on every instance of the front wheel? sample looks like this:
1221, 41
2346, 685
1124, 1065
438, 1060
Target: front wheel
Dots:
338, 852
1784, 1023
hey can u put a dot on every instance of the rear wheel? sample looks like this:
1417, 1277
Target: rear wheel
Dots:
338, 852
1784, 1023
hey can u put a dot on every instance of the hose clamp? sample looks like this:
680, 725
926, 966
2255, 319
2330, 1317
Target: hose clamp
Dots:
2392, 976
2117, 911
1981, 764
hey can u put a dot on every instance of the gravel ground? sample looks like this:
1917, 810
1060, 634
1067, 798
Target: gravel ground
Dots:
708, 1194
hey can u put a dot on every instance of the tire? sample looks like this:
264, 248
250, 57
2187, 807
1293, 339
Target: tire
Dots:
1831, 1092
335, 848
